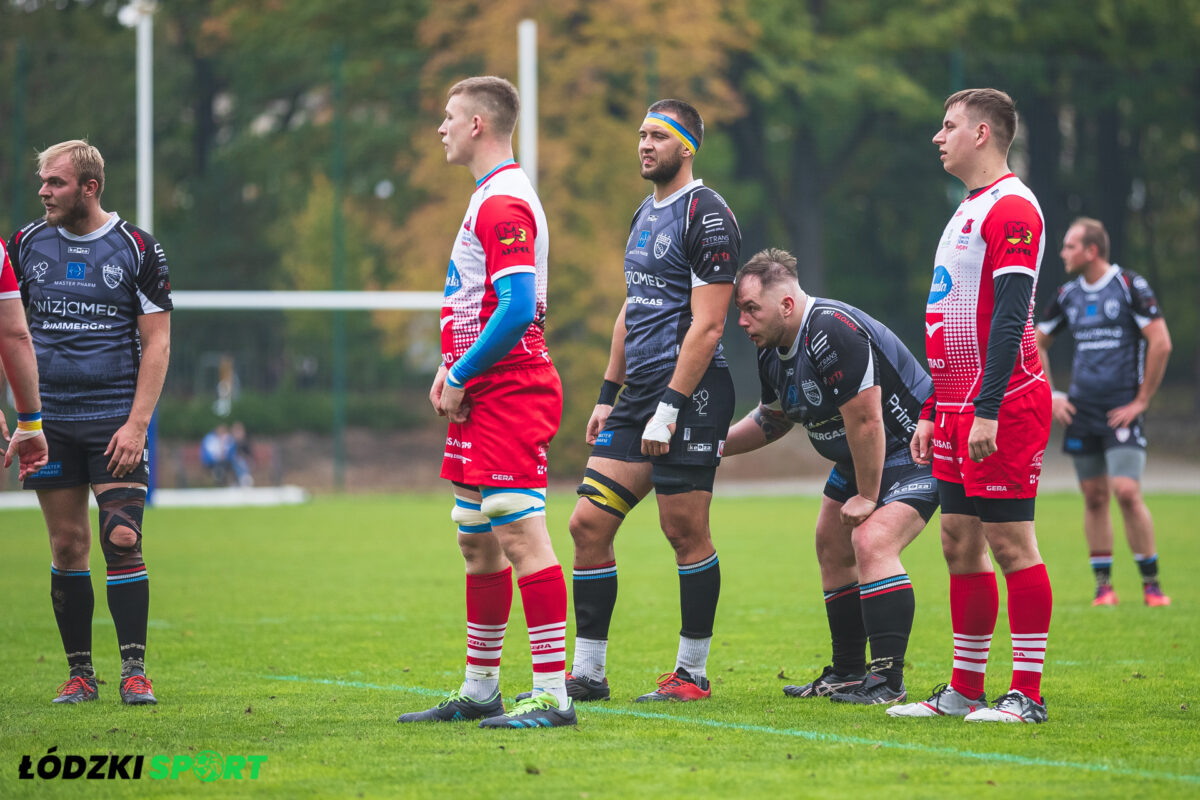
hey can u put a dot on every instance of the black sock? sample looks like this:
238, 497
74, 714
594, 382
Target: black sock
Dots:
1101, 562
699, 589
73, 601
129, 604
1148, 566
887, 608
846, 629
594, 593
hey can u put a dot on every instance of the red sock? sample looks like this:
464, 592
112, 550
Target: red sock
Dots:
489, 599
974, 605
544, 595
1029, 605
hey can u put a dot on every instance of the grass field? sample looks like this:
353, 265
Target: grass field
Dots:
301, 633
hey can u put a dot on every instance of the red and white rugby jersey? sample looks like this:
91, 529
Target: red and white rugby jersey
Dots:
8, 279
997, 230
503, 233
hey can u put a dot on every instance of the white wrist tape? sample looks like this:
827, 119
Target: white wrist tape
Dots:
656, 428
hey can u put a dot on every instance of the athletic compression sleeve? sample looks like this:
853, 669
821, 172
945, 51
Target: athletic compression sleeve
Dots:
515, 311
1013, 292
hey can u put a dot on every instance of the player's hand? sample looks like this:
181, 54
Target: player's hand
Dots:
1126, 415
1062, 409
126, 449
856, 510
919, 447
4, 429
31, 452
453, 404
435, 391
596, 422
981, 442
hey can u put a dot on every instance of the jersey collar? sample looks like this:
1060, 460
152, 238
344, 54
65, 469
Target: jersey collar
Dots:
790, 353
113, 219
678, 194
507, 163
1100, 284
971, 195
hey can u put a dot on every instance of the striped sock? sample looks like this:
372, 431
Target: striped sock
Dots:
129, 605
73, 601
1101, 562
888, 606
544, 597
1148, 566
489, 600
594, 590
847, 633
1030, 602
974, 606
699, 590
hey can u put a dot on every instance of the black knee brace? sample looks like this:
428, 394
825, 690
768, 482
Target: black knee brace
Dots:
121, 508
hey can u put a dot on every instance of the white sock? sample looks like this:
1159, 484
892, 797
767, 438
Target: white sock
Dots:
589, 658
693, 656
553, 682
481, 683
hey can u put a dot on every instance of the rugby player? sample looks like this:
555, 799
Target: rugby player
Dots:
1121, 349
858, 392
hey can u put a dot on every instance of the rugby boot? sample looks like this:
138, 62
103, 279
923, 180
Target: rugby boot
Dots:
539, 711
137, 691
944, 702
873, 691
1154, 595
457, 707
1105, 596
1011, 707
77, 689
678, 686
827, 683
585, 690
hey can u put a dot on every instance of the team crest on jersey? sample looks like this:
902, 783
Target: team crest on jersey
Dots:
941, 286
967, 228
1112, 307
812, 392
509, 232
661, 243
112, 275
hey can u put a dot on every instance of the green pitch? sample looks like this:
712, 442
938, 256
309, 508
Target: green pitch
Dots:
301, 633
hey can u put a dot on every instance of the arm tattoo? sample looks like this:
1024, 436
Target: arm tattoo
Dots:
773, 423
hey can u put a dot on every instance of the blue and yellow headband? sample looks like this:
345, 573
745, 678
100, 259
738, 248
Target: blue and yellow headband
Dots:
663, 121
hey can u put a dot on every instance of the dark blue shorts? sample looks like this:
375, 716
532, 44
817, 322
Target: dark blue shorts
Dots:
77, 455
902, 481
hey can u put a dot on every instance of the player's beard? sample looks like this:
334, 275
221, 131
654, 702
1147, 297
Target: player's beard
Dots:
665, 169
66, 217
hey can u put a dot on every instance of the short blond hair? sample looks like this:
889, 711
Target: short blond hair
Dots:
496, 97
85, 159
1093, 235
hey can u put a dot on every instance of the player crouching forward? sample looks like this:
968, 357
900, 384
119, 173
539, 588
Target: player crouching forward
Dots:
858, 392
503, 398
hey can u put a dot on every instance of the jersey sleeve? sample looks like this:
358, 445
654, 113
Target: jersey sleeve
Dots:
8, 279
767, 396
1142, 301
1053, 316
1013, 232
154, 277
712, 240
840, 352
506, 229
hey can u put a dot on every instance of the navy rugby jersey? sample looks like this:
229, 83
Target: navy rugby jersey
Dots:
84, 295
689, 239
1106, 321
839, 352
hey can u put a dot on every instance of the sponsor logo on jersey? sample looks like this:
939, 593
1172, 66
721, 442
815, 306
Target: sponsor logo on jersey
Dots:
932, 327
604, 439
793, 396
62, 307
453, 280
942, 284
812, 392
828, 361
638, 300
837, 479
39, 271
833, 378
1112, 307
112, 275
662, 243
499, 476
635, 278
992, 487
75, 250
643, 238
712, 221
700, 398
827, 437
509, 232
1017, 233
76, 271
700, 447
901, 413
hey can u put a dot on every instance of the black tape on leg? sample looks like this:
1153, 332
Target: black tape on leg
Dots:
121, 508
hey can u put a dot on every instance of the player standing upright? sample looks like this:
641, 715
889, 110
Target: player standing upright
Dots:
1121, 349
986, 427
98, 295
668, 427
502, 395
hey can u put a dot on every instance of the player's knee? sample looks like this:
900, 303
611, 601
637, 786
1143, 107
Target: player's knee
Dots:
121, 524
468, 516
506, 506
606, 494
1127, 491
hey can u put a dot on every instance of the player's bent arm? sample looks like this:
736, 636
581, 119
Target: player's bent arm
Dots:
16, 352
863, 416
757, 429
709, 305
1158, 348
